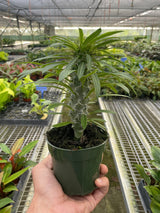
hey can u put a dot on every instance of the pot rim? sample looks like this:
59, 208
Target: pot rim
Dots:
79, 150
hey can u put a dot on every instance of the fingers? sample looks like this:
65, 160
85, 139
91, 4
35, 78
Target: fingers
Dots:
102, 183
103, 186
103, 169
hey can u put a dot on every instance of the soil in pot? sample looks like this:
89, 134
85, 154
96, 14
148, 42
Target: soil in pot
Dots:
63, 137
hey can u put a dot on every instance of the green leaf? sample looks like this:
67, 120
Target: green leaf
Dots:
143, 174
28, 148
100, 111
81, 36
155, 153
30, 163
98, 122
155, 206
61, 124
123, 87
116, 95
81, 70
34, 98
108, 41
156, 165
6, 209
91, 37
89, 62
83, 121
68, 70
4, 161
104, 35
154, 191
5, 201
10, 188
15, 175
7, 171
5, 148
97, 84
66, 41
155, 174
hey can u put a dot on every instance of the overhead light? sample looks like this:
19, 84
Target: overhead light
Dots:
158, 8
14, 19
5, 17
145, 13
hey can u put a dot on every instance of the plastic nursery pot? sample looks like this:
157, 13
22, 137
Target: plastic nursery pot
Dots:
76, 170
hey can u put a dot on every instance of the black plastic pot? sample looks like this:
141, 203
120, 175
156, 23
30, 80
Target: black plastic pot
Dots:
77, 170
144, 197
17, 194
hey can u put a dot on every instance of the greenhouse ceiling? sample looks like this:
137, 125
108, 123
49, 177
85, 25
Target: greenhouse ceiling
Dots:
82, 13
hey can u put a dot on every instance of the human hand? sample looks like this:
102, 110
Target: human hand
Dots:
50, 198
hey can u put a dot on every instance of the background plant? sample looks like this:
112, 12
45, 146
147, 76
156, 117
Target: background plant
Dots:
6, 93
40, 106
152, 179
3, 56
12, 70
13, 164
28, 87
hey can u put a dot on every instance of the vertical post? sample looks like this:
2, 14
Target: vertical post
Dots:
19, 31
151, 35
1, 40
30, 24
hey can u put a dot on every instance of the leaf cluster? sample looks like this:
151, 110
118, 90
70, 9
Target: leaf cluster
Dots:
13, 163
152, 179
40, 107
83, 70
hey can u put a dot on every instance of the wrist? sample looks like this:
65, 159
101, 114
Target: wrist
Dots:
40, 205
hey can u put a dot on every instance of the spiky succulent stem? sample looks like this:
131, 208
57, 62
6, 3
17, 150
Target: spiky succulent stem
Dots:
79, 103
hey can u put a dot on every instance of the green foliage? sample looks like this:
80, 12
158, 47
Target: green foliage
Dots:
5, 93
28, 87
12, 165
39, 106
7, 41
81, 70
145, 82
3, 56
152, 179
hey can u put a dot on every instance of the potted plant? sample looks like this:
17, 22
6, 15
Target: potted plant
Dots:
27, 88
77, 145
40, 106
5, 93
149, 186
13, 163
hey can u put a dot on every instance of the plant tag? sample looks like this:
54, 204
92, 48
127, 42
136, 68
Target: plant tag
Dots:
24, 110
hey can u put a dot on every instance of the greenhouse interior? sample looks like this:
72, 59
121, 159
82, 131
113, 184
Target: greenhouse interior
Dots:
73, 67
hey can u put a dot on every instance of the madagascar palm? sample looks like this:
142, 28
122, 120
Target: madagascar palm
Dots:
80, 67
